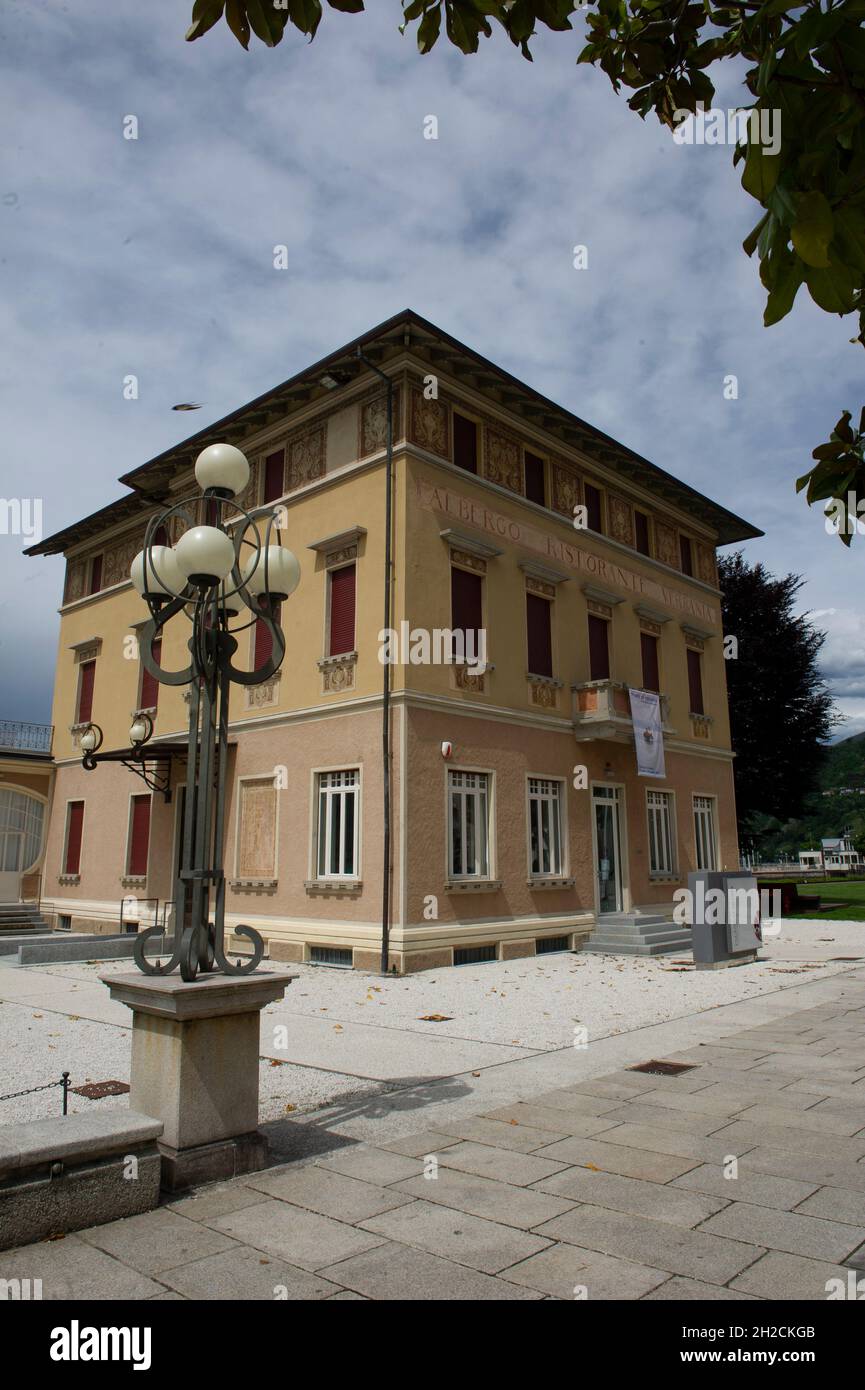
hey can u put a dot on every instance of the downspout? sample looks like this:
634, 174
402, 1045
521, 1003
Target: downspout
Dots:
385, 689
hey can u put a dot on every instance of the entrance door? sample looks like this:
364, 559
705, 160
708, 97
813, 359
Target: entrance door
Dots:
11, 863
608, 840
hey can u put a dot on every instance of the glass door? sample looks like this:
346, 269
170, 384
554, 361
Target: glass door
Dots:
608, 863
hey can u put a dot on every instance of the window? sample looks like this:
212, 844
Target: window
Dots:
139, 836
337, 824
149, 696
74, 827
86, 677
704, 832
545, 827
468, 813
649, 652
21, 821
256, 828
540, 639
695, 682
599, 648
95, 575
466, 612
342, 600
685, 555
662, 857
274, 468
535, 485
594, 515
264, 639
465, 443
641, 533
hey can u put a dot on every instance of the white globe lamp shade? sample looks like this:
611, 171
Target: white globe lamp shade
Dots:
231, 604
205, 555
89, 739
281, 570
156, 573
223, 468
138, 731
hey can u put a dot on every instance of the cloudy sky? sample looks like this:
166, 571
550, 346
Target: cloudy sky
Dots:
155, 257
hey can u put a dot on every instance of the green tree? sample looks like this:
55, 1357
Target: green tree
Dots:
805, 67
780, 710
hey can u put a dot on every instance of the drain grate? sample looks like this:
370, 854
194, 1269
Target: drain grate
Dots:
473, 955
97, 1090
545, 945
655, 1068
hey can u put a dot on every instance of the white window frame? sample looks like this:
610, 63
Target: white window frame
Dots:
712, 809
556, 799
661, 828
482, 823
318, 774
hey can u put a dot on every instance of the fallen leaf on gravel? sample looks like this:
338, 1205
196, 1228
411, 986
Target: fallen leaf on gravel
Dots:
337, 1027
37, 1015
435, 1018
275, 1062
594, 1167
289, 1108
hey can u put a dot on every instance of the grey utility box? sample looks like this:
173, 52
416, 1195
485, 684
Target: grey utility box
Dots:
724, 918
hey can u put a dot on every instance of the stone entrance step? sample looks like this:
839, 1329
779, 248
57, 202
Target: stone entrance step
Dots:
638, 934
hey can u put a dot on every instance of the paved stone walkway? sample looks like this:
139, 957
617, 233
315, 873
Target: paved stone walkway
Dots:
616, 1186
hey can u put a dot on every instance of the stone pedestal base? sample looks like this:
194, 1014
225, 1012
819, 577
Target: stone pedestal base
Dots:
195, 1060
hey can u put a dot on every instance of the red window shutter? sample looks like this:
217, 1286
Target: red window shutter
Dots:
649, 650
96, 574
85, 691
74, 826
139, 836
342, 597
594, 515
274, 469
685, 553
149, 684
599, 649
695, 682
538, 626
264, 639
641, 527
535, 491
465, 443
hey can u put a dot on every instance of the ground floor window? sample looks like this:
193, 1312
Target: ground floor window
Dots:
21, 820
545, 827
468, 812
704, 832
338, 820
139, 836
662, 840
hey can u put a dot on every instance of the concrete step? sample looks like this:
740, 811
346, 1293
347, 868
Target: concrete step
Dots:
636, 934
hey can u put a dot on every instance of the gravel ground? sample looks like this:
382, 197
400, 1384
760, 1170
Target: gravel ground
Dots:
534, 1003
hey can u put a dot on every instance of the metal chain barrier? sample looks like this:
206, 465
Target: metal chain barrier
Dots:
64, 1082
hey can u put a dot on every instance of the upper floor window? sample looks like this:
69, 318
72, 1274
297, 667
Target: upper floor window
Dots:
74, 828
469, 839
466, 612
274, 470
95, 576
341, 618
641, 533
86, 679
594, 508
465, 443
695, 681
649, 653
337, 824
540, 638
545, 826
599, 648
535, 480
686, 555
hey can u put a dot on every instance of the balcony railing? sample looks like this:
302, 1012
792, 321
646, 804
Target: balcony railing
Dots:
20, 737
602, 709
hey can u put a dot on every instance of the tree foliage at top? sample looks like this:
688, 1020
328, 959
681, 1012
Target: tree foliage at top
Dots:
806, 61
780, 710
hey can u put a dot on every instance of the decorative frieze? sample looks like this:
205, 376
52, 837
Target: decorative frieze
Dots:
540, 586
544, 692
653, 629
373, 423
305, 457
429, 424
76, 580
666, 543
502, 459
600, 610
468, 561
701, 725
264, 694
473, 682
566, 489
706, 569
620, 519
337, 673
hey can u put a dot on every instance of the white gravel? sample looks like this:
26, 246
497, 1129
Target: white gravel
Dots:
525, 1004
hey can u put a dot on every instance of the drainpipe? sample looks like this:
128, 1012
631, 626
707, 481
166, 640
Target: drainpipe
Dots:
385, 689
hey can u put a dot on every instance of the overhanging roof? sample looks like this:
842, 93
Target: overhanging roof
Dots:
407, 330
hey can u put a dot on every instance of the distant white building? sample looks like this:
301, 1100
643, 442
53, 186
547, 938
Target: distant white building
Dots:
835, 856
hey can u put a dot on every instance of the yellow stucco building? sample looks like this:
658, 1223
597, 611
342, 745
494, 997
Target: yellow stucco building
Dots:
575, 568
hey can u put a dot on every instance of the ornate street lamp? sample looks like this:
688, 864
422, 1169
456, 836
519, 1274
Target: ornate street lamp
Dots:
218, 571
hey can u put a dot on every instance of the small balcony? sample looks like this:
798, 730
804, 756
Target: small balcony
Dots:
602, 709
17, 736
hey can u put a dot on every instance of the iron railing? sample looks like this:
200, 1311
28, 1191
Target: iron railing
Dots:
21, 737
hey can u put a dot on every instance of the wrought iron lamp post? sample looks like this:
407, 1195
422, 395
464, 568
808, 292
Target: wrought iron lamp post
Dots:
218, 572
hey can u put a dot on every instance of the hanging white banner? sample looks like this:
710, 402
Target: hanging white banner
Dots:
648, 735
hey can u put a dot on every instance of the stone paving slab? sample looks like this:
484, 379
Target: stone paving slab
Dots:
789, 1277
678, 1290
523, 1207
396, 1271
455, 1235
617, 1158
327, 1192
74, 1269
564, 1271
487, 1161
660, 1201
837, 1203
245, 1273
521, 1138
763, 1189
303, 1238
812, 1236
156, 1240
